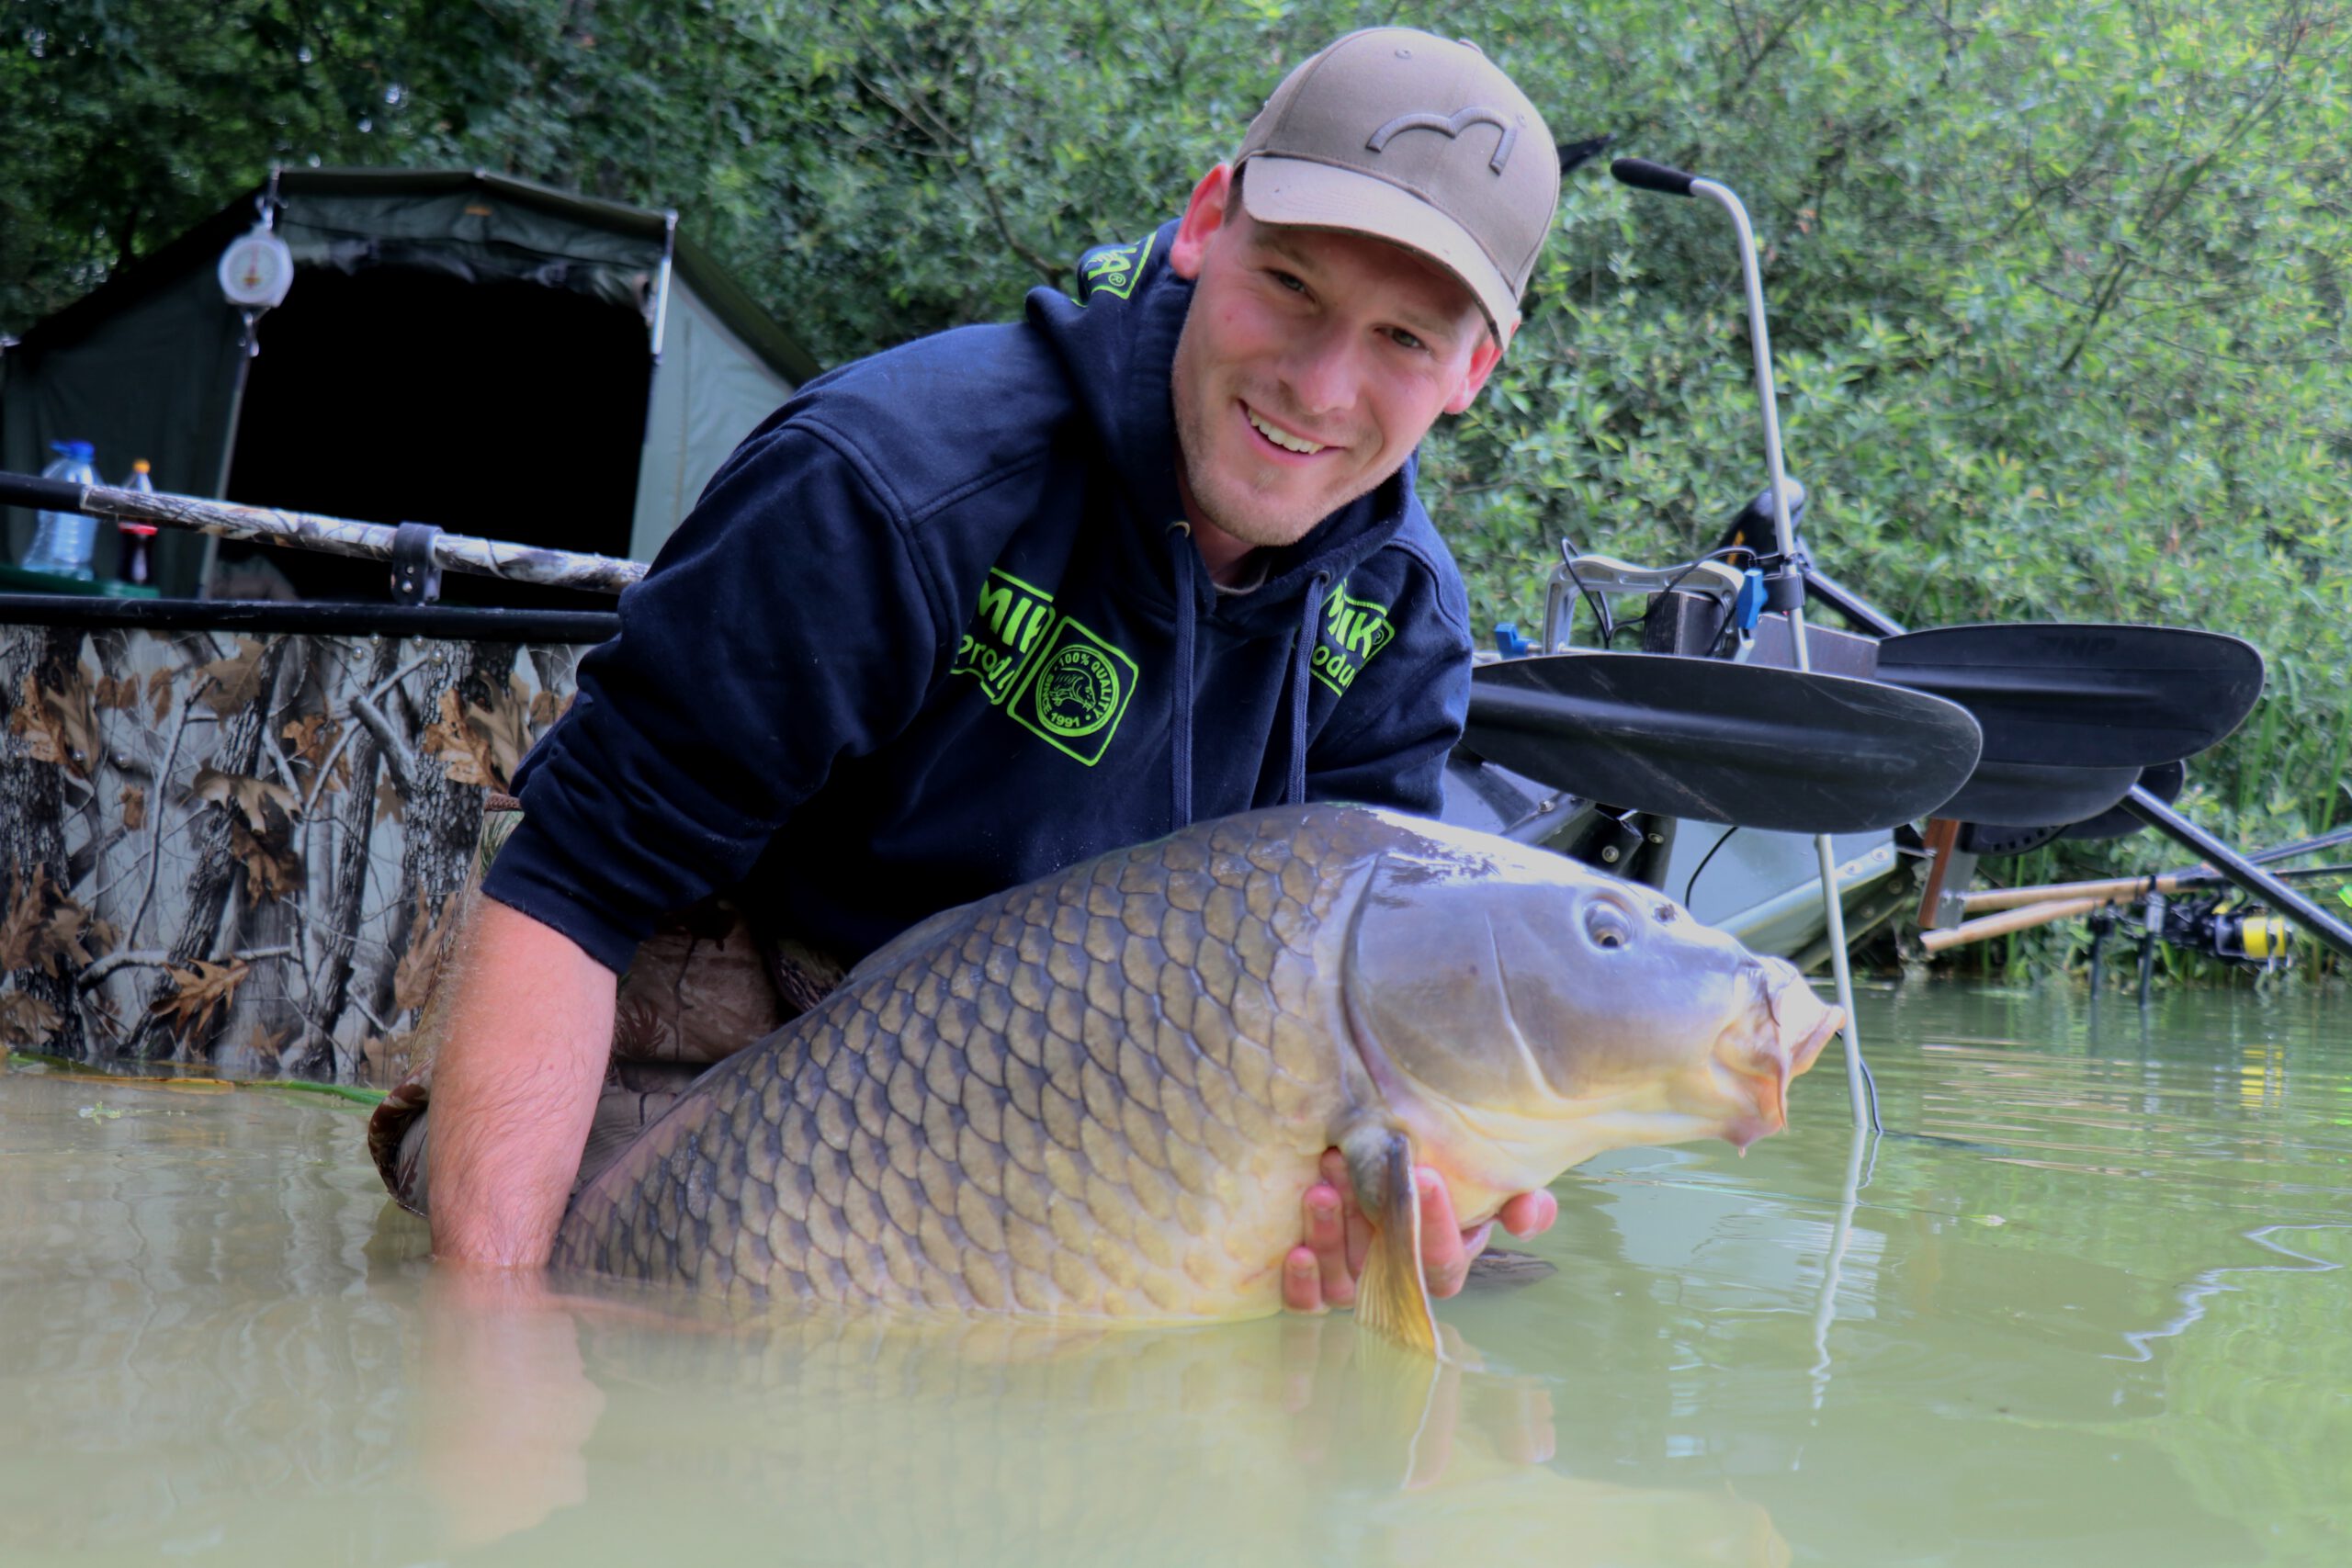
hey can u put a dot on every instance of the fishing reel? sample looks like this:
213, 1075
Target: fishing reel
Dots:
2241, 934
2252, 937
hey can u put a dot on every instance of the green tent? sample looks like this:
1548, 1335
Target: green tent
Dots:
456, 349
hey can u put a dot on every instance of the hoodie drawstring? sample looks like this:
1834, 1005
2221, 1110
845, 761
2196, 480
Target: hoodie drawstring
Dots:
1182, 558
1302, 663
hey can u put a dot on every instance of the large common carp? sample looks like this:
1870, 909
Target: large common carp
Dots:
1102, 1094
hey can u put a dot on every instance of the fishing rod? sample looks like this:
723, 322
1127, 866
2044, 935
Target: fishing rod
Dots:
2126, 889
1784, 586
2024, 909
417, 551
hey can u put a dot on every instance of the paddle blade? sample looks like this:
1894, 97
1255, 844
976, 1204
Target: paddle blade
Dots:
2033, 795
2163, 781
1718, 743
2083, 696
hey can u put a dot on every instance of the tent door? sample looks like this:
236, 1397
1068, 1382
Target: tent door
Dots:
501, 408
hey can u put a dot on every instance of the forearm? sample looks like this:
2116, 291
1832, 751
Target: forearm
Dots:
515, 1086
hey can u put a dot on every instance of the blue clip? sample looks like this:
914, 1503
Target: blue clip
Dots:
1508, 643
1750, 602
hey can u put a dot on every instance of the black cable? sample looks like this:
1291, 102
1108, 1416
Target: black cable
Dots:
1598, 602
1690, 886
1674, 582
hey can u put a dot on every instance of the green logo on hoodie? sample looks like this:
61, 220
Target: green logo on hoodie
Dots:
1006, 628
1353, 630
1053, 675
1075, 692
1112, 269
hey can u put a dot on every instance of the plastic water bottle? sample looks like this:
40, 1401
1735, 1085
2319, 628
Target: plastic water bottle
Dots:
62, 543
135, 564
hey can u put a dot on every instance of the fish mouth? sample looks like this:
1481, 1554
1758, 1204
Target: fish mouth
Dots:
1792, 1045
1808, 1050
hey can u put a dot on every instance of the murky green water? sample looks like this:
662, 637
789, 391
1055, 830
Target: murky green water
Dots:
2092, 1307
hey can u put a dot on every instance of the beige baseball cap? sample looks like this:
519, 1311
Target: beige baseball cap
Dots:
1416, 139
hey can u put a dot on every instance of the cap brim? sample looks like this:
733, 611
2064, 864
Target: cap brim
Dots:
1320, 196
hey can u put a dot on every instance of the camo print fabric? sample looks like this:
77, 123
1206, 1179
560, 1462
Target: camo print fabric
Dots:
1100, 1094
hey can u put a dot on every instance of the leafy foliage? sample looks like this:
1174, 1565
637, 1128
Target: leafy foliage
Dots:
2059, 292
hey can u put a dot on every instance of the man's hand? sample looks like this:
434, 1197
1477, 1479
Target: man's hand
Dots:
1321, 1271
515, 1088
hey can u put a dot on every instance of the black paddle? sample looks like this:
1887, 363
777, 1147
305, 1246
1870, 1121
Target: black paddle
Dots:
2082, 696
2142, 803
2165, 781
2037, 795
1721, 742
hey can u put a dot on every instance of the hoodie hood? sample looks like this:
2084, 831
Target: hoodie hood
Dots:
1117, 343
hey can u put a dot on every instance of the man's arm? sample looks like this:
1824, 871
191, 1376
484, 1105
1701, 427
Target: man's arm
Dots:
515, 1088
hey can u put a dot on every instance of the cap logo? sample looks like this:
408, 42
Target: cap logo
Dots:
1454, 126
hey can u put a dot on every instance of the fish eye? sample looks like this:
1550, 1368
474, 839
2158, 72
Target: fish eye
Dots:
1607, 926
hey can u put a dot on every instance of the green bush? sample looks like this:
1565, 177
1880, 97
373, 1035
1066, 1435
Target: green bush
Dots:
2058, 293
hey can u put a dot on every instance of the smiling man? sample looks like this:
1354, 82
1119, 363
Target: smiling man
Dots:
1000, 600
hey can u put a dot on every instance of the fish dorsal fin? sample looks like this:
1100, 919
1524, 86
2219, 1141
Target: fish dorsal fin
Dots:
1392, 1299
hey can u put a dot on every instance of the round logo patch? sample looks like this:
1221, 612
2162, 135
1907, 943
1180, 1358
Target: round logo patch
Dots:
1077, 692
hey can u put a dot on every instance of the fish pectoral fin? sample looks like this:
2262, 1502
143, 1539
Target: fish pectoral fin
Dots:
1392, 1299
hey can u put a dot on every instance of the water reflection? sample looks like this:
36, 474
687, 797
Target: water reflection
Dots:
891, 1441
2084, 1304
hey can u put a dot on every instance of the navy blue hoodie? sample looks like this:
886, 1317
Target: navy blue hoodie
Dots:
929, 633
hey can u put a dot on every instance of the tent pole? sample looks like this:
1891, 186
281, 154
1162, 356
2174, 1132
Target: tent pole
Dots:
660, 316
247, 347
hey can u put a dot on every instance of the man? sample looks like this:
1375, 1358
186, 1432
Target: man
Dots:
1007, 597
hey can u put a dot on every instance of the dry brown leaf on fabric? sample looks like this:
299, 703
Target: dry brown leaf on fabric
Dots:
43, 930
99, 937
266, 1046
308, 737
26, 918
26, 1019
271, 872
117, 692
249, 796
134, 807
460, 747
79, 719
159, 692
388, 802
420, 967
67, 938
198, 992
236, 680
390, 1061
60, 727
503, 726
546, 710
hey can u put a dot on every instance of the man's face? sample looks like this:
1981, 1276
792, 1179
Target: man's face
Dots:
1311, 365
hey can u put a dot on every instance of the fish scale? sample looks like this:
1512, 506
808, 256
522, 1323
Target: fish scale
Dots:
1102, 1094
1098, 1099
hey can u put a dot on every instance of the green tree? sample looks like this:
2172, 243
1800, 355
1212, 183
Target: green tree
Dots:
2058, 295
